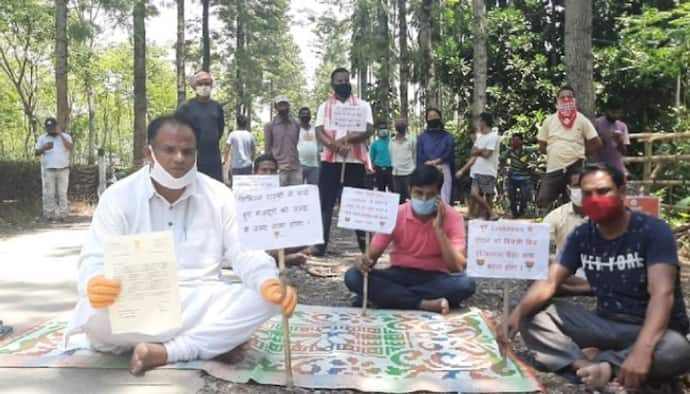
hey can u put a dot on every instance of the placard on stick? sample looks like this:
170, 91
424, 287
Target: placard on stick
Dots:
508, 250
279, 218
349, 118
368, 210
254, 182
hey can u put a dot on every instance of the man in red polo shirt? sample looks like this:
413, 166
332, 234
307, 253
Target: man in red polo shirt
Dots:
427, 258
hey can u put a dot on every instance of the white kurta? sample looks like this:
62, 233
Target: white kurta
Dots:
216, 315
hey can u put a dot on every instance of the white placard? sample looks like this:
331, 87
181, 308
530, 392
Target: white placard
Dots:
279, 218
367, 210
349, 117
254, 182
149, 301
508, 250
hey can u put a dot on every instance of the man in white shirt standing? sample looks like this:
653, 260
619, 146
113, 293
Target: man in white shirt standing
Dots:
485, 168
403, 152
54, 147
170, 195
308, 148
345, 148
240, 149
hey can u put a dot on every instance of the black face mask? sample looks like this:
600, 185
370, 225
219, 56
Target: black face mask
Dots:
433, 123
401, 129
343, 89
283, 112
305, 119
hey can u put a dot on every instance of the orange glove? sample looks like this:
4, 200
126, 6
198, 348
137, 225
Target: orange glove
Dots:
272, 291
102, 292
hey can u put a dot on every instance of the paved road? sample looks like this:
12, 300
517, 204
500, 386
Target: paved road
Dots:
38, 282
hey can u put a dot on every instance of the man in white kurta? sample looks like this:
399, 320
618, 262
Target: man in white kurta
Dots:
216, 316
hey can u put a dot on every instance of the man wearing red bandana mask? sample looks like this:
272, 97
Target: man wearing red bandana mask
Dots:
637, 334
566, 137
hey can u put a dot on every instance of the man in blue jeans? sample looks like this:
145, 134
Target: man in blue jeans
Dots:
427, 258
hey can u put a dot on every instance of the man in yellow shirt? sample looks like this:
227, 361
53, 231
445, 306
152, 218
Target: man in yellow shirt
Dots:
566, 136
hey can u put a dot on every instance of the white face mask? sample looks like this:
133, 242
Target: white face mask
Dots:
163, 177
203, 90
575, 195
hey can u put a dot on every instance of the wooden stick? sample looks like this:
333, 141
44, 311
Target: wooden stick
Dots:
366, 278
506, 308
289, 382
343, 165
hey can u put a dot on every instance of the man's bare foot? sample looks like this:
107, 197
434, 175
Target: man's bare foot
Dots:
590, 353
147, 356
439, 305
596, 376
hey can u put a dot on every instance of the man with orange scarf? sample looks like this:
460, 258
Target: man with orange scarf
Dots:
344, 124
565, 137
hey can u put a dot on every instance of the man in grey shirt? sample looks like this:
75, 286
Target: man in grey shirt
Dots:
281, 136
206, 115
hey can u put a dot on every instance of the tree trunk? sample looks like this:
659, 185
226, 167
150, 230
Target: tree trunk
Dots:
179, 54
239, 59
425, 42
205, 38
139, 23
479, 67
90, 159
404, 58
61, 63
578, 53
384, 74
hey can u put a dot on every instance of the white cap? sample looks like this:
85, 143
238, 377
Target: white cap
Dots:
280, 99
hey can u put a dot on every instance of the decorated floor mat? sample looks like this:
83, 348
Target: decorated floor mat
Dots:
334, 347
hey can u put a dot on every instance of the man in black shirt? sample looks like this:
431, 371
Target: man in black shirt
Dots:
206, 115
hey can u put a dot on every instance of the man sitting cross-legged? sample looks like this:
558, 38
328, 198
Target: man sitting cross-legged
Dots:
170, 195
427, 259
638, 331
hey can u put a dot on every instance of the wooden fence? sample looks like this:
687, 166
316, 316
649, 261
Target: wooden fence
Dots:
652, 164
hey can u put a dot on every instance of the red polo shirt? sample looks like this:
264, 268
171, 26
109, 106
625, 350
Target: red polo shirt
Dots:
414, 242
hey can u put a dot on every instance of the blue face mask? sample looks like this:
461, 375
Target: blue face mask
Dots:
421, 207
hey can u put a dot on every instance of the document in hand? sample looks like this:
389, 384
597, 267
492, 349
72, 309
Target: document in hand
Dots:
149, 302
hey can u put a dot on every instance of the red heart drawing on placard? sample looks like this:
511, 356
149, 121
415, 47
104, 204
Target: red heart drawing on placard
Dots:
529, 263
480, 261
382, 224
276, 233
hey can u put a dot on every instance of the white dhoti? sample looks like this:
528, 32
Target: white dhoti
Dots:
216, 318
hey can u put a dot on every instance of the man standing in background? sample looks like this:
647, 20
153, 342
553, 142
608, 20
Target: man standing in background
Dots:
241, 148
308, 148
614, 135
54, 148
208, 118
281, 136
380, 156
403, 152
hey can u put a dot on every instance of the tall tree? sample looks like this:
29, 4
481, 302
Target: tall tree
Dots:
404, 60
381, 102
139, 32
427, 72
479, 62
578, 53
61, 62
24, 39
179, 54
205, 36
361, 50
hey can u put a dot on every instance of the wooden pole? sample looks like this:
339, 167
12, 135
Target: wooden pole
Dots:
506, 309
366, 278
289, 382
343, 164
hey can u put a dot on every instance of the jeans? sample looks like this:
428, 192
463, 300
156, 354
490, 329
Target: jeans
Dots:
405, 288
558, 333
55, 181
519, 193
290, 177
384, 178
311, 175
401, 185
